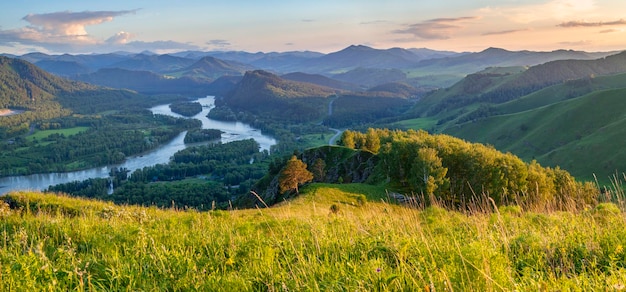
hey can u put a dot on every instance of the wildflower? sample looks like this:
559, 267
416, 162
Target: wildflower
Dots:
619, 249
378, 270
230, 261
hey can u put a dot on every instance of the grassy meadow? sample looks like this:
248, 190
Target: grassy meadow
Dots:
330, 238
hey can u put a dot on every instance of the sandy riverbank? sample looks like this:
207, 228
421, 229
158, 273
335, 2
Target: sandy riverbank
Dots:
9, 112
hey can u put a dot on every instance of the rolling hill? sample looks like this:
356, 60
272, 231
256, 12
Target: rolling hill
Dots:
26, 86
63, 68
320, 80
144, 81
497, 85
153, 63
496, 57
580, 134
211, 68
360, 56
43, 96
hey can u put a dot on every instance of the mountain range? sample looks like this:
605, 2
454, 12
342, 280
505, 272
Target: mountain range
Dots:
417, 67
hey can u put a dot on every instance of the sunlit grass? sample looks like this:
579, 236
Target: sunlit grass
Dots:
416, 124
38, 135
315, 140
331, 237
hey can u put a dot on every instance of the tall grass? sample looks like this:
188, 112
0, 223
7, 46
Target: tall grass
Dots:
331, 238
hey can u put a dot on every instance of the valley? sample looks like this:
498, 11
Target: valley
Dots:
362, 168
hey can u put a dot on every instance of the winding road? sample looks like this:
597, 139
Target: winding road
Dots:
338, 132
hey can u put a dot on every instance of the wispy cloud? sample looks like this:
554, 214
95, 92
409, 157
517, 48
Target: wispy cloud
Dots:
374, 22
218, 43
577, 23
510, 31
66, 32
576, 44
158, 46
610, 30
438, 28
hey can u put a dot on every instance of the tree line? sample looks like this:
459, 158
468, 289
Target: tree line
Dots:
459, 172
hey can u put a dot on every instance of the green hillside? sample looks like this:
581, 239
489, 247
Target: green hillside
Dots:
26, 86
332, 237
579, 134
264, 93
43, 96
563, 91
498, 87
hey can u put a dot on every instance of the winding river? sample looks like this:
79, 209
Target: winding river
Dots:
232, 131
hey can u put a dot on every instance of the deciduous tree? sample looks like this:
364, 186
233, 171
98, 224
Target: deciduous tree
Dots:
293, 174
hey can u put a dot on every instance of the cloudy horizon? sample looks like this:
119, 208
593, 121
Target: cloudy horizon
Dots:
324, 26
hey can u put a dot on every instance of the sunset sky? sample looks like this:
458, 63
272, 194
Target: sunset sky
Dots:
322, 25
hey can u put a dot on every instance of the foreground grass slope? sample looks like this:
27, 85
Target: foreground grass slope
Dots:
332, 237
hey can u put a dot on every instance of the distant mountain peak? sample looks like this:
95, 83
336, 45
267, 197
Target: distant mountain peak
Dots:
494, 50
359, 47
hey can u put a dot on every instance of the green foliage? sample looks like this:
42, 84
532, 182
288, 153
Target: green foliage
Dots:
357, 109
459, 172
202, 135
89, 141
201, 177
187, 109
427, 174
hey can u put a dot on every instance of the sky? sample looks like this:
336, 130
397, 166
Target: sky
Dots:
77, 27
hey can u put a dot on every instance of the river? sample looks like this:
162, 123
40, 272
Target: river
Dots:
232, 131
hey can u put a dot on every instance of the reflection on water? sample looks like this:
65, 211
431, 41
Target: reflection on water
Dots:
232, 131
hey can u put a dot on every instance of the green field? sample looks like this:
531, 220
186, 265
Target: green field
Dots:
38, 135
315, 140
331, 238
416, 124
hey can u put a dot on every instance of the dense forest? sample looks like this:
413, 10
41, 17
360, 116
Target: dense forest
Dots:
199, 177
81, 142
187, 109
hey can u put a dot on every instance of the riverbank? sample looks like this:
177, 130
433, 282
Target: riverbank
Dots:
232, 131
9, 112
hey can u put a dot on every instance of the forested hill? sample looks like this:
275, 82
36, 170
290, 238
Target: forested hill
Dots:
265, 85
212, 68
499, 85
557, 71
145, 81
43, 96
26, 86
264, 93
